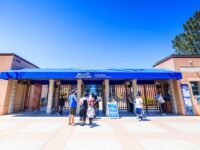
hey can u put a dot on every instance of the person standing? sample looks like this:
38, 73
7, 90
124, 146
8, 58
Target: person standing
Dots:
72, 107
130, 101
91, 100
139, 105
83, 109
97, 105
90, 113
161, 102
61, 105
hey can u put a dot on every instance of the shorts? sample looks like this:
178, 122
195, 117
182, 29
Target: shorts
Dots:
72, 111
139, 111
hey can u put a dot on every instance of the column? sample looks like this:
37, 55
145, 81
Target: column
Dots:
79, 89
107, 98
12, 97
24, 96
173, 98
134, 85
50, 97
31, 97
57, 95
127, 83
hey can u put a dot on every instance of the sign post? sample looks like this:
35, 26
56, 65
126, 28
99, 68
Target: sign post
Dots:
187, 99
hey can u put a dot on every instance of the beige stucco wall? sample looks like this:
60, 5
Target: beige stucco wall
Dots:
19, 97
5, 86
8, 62
178, 97
186, 62
169, 64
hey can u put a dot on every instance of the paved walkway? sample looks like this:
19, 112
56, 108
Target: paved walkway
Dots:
126, 133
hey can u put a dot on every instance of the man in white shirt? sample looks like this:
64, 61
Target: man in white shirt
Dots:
139, 105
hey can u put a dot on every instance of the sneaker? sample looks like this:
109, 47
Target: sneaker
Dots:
82, 124
163, 114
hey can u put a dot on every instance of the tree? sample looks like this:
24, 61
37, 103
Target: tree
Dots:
188, 42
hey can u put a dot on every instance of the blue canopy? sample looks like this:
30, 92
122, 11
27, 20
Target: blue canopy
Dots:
82, 73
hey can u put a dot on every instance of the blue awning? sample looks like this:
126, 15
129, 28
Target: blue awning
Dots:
80, 73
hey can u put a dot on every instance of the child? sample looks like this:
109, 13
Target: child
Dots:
90, 113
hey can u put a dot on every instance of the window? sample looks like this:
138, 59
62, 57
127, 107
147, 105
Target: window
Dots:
195, 88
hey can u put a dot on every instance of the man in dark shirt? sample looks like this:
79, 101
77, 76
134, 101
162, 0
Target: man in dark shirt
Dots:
61, 105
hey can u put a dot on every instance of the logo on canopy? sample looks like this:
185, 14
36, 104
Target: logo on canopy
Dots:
84, 75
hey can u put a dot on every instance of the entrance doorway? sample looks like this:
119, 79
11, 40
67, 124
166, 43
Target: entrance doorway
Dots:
97, 89
149, 92
65, 90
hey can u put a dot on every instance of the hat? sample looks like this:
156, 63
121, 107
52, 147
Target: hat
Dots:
138, 94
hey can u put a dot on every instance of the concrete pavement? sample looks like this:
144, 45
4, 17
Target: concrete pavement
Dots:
126, 133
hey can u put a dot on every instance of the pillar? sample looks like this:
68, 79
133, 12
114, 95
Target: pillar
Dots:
50, 97
107, 98
24, 96
127, 83
134, 86
12, 97
79, 89
173, 98
57, 95
31, 98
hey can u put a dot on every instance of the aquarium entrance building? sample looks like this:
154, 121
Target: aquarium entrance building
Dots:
33, 88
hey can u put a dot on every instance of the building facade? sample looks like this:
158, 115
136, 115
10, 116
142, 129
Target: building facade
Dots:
9, 61
31, 88
189, 66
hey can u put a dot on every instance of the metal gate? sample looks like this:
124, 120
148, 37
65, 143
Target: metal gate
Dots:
65, 90
148, 92
120, 96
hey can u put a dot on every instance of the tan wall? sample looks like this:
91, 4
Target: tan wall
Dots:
180, 62
5, 64
8, 62
3, 89
185, 62
178, 97
169, 64
19, 97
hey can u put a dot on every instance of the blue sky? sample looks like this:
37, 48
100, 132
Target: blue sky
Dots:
89, 33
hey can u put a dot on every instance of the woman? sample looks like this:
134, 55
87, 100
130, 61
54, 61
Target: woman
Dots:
83, 109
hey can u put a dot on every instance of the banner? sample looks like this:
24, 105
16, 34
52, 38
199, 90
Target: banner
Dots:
187, 99
112, 110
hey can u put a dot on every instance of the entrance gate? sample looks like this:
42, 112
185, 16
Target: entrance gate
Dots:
148, 92
118, 92
65, 90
